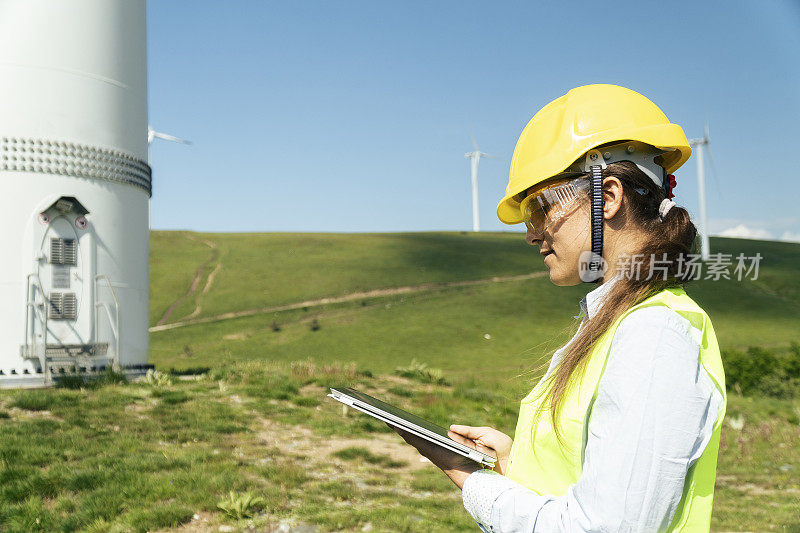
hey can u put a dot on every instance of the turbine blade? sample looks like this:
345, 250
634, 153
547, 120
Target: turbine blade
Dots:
706, 131
472, 138
713, 167
168, 137
490, 156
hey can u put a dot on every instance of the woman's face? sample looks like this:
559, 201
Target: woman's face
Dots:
562, 243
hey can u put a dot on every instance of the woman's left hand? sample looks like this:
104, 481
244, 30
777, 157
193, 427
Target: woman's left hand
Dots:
457, 467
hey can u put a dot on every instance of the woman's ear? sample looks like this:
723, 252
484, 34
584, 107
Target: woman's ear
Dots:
612, 197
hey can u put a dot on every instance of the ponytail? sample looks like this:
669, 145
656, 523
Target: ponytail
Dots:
670, 238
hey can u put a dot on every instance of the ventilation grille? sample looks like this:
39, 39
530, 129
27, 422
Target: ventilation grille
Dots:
63, 251
63, 305
72, 159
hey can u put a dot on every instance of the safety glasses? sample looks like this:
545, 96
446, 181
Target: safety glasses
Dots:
542, 208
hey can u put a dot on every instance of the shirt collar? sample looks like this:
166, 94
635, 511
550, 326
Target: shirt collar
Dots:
592, 302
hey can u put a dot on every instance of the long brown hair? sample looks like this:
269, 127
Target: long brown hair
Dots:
666, 241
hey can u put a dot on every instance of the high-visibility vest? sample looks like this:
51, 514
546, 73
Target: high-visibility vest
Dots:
547, 468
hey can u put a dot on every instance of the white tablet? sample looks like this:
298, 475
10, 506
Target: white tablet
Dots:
404, 420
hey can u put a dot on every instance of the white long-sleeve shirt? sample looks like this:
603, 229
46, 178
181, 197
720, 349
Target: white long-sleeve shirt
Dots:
654, 415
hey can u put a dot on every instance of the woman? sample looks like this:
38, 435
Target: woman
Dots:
622, 432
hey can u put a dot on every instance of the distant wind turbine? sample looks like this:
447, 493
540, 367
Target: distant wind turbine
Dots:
153, 135
704, 145
475, 158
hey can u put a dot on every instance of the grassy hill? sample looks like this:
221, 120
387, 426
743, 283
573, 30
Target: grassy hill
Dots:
261, 269
251, 441
445, 327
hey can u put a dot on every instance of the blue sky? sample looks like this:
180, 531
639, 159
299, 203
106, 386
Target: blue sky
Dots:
354, 116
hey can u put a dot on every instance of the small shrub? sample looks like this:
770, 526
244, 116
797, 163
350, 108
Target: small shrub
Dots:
347, 370
315, 325
792, 363
759, 372
275, 326
306, 401
745, 369
35, 401
420, 372
398, 391
191, 371
283, 391
165, 515
154, 378
778, 385
303, 369
285, 473
111, 377
73, 382
89, 381
239, 506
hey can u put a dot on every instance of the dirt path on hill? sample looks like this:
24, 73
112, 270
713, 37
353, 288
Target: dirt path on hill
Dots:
375, 293
209, 282
196, 283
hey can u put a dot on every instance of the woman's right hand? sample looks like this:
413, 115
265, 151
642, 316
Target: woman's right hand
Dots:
486, 440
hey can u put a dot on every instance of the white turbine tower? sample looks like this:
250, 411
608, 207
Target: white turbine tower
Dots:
475, 157
702, 144
76, 190
152, 135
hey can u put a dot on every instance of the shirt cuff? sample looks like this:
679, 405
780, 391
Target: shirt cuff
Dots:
479, 492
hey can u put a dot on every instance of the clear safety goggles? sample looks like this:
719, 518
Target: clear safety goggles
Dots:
544, 207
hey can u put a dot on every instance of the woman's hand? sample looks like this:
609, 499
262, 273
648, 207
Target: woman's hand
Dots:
457, 467
486, 440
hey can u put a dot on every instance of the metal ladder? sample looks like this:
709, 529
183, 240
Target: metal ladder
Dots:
36, 344
113, 321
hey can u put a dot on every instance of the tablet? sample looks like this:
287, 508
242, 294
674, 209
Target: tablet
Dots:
404, 420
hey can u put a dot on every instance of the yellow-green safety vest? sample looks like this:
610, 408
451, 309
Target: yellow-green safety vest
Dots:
548, 469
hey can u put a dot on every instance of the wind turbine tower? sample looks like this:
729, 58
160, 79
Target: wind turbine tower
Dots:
475, 158
702, 144
74, 279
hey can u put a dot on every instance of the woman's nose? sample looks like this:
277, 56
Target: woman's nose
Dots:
533, 237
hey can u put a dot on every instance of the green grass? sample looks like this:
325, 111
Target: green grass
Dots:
114, 454
355, 453
124, 457
109, 455
120, 457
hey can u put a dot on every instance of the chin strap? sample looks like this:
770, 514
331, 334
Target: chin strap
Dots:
595, 266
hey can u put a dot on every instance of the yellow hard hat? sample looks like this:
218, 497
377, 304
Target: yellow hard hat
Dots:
585, 118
